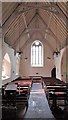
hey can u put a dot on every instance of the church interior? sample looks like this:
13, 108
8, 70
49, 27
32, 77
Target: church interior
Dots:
33, 60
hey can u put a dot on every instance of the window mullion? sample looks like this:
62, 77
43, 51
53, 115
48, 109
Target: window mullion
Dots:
41, 54
32, 54
35, 55
38, 55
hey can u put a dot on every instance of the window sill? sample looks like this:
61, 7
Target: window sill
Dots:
40, 66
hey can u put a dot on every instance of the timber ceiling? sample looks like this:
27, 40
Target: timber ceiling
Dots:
23, 22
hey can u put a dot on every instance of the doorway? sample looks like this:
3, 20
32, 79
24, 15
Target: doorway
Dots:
53, 72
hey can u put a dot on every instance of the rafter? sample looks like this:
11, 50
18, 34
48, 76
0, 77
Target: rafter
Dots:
37, 29
53, 35
10, 20
46, 42
48, 24
60, 13
22, 33
53, 10
26, 26
27, 41
29, 9
37, 5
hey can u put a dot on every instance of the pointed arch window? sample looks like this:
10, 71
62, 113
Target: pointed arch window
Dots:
37, 54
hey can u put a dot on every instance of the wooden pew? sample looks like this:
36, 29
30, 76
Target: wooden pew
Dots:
17, 100
51, 81
23, 90
23, 86
56, 90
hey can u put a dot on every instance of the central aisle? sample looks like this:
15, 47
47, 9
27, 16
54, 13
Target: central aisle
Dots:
38, 104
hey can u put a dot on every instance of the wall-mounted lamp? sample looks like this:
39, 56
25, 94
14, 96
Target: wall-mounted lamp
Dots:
56, 53
25, 58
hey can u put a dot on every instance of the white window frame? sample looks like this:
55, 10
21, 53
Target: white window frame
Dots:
37, 65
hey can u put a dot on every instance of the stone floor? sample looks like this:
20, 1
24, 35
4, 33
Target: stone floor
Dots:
38, 104
38, 108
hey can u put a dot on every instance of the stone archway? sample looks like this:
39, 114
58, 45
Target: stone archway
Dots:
6, 67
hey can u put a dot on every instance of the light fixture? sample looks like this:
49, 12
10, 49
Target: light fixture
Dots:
19, 50
26, 54
20, 53
56, 53
25, 58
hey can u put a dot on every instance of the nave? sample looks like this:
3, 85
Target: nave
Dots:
38, 105
33, 59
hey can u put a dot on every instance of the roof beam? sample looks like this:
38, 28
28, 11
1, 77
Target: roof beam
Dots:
9, 20
27, 7
36, 4
26, 26
22, 33
53, 10
44, 37
48, 24
37, 29
60, 13
16, 12
12, 17
53, 35
46, 42
27, 41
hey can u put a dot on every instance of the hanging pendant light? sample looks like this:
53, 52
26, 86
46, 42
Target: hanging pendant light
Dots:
19, 50
56, 53
26, 54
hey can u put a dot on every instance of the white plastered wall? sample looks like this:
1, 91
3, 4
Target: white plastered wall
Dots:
0, 62
0, 46
25, 66
60, 63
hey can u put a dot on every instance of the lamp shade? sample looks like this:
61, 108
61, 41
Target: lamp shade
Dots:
56, 53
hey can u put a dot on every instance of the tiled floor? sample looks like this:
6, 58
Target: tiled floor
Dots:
38, 104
